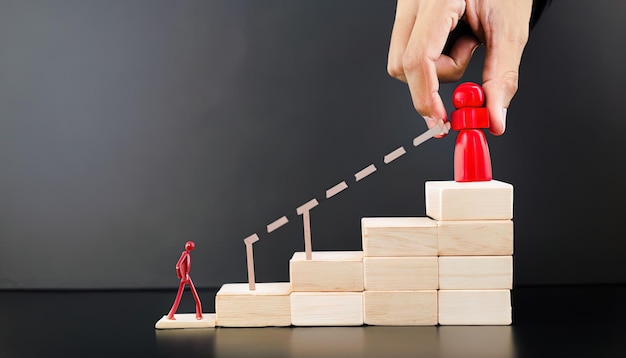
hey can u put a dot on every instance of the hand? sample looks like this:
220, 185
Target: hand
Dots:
420, 33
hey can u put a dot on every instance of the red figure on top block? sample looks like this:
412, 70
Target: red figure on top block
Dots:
471, 154
182, 271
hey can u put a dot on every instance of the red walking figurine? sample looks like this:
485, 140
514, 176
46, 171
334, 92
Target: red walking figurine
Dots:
182, 271
472, 161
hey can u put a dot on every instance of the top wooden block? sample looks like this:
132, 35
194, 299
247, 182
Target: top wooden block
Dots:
262, 289
268, 305
488, 200
327, 271
399, 236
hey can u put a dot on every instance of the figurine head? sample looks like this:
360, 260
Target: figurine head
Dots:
189, 246
468, 94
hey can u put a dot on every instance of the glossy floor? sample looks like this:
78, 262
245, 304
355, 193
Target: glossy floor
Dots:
564, 321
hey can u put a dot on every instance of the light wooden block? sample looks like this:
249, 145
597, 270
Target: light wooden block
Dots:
327, 271
474, 307
475, 237
186, 320
327, 308
400, 308
401, 273
267, 305
488, 200
389, 237
475, 272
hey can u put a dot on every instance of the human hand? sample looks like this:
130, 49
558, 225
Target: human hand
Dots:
419, 36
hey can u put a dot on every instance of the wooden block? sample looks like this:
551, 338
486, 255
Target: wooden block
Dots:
401, 273
267, 305
327, 308
327, 271
474, 307
186, 320
400, 308
487, 200
389, 237
476, 237
475, 272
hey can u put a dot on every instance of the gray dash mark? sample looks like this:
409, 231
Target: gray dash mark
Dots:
439, 128
394, 155
277, 223
365, 172
336, 189
251, 239
307, 206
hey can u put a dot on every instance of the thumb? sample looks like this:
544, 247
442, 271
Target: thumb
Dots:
503, 54
500, 82
499, 92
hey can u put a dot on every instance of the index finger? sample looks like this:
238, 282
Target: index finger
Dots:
428, 38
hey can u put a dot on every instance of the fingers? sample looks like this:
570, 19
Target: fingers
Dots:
506, 34
500, 82
402, 27
419, 34
451, 68
433, 23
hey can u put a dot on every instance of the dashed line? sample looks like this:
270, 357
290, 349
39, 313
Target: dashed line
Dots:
307, 206
439, 128
365, 172
336, 189
277, 223
394, 155
251, 239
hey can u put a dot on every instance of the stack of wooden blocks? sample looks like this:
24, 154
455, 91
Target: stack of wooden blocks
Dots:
454, 267
475, 248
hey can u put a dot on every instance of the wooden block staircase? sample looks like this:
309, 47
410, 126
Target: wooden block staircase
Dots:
454, 267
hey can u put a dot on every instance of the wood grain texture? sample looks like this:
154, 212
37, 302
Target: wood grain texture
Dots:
400, 236
327, 271
450, 200
401, 273
267, 305
400, 308
327, 308
186, 320
475, 272
475, 237
474, 307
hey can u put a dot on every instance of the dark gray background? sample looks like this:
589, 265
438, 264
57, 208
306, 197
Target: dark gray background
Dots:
130, 127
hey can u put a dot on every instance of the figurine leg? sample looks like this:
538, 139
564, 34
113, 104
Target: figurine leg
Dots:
195, 297
177, 300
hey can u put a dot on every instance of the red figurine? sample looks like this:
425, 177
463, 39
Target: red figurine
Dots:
471, 154
182, 271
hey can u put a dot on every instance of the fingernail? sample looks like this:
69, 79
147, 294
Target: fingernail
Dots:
430, 122
503, 119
